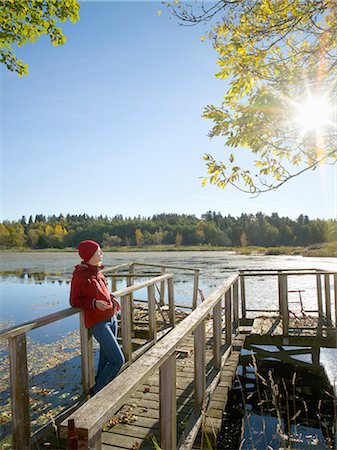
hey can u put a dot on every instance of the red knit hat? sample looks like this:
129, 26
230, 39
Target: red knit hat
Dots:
86, 249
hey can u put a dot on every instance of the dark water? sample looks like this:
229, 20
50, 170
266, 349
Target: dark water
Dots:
277, 404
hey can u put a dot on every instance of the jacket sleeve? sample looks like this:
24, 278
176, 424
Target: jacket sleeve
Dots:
79, 294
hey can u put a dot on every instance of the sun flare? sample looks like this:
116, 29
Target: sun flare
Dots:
314, 114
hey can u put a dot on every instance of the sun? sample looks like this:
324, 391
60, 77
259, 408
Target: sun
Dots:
313, 115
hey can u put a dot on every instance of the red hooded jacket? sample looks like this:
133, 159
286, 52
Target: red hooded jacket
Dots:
88, 283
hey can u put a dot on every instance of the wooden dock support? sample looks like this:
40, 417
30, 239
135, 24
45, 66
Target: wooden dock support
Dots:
171, 301
126, 327
243, 294
283, 301
87, 356
327, 298
168, 404
162, 289
199, 365
152, 313
195, 289
319, 295
19, 392
217, 322
228, 316
235, 305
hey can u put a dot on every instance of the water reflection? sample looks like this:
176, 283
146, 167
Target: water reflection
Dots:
282, 402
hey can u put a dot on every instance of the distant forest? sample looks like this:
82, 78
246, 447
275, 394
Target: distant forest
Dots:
166, 229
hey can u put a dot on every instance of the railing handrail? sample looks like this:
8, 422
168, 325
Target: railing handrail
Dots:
59, 315
136, 287
273, 273
92, 418
119, 266
164, 266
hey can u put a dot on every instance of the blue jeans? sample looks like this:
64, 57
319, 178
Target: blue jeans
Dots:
111, 357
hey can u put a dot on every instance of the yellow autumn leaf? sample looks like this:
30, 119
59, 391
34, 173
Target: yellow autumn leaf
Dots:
159, 12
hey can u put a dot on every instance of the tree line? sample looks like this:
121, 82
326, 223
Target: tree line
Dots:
212, 228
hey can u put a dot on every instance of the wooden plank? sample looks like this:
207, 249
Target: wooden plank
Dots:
195, 289
125, 442
152, 313
217, 310
87, 356
283, 300
228, 317
113, 284
167, 404
335, 297
163, 265
319, 295
162, 289
199, 365
327, 298
133, 430
19, 392
243, 294
129, 283
236, 304
171, 304
126, 327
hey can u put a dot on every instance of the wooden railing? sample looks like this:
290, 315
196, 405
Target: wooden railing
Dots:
90, 417
17, 345
131, 273
323, 292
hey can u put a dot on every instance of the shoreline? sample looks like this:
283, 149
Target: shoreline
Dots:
328, 250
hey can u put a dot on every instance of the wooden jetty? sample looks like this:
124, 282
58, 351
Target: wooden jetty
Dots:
174, 388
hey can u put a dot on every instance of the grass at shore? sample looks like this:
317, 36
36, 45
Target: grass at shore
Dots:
319, 250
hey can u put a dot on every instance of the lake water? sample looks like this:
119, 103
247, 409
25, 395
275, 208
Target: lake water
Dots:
36, 284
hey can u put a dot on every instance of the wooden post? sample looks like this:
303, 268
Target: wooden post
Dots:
236, 304
113, 284
315, 354
19, 392
126, 327
168, 404
243, 294
129, 282
195, 289
152, 313
199, 365
319, 295
87, 356
335, 295
283, 301
162, 289
228, 316
171, 301
217, 310
327, 298
72, 441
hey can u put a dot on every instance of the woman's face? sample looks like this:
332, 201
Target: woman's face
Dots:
97, 258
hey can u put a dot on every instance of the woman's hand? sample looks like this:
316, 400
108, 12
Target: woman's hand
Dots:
116, 305
102, 306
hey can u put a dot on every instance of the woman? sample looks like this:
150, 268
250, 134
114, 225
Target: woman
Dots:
89, 291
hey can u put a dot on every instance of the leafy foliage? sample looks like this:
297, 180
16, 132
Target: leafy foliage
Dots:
23, 21
169, 229
276, 55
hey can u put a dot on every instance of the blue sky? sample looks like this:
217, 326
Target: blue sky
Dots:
110, 123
